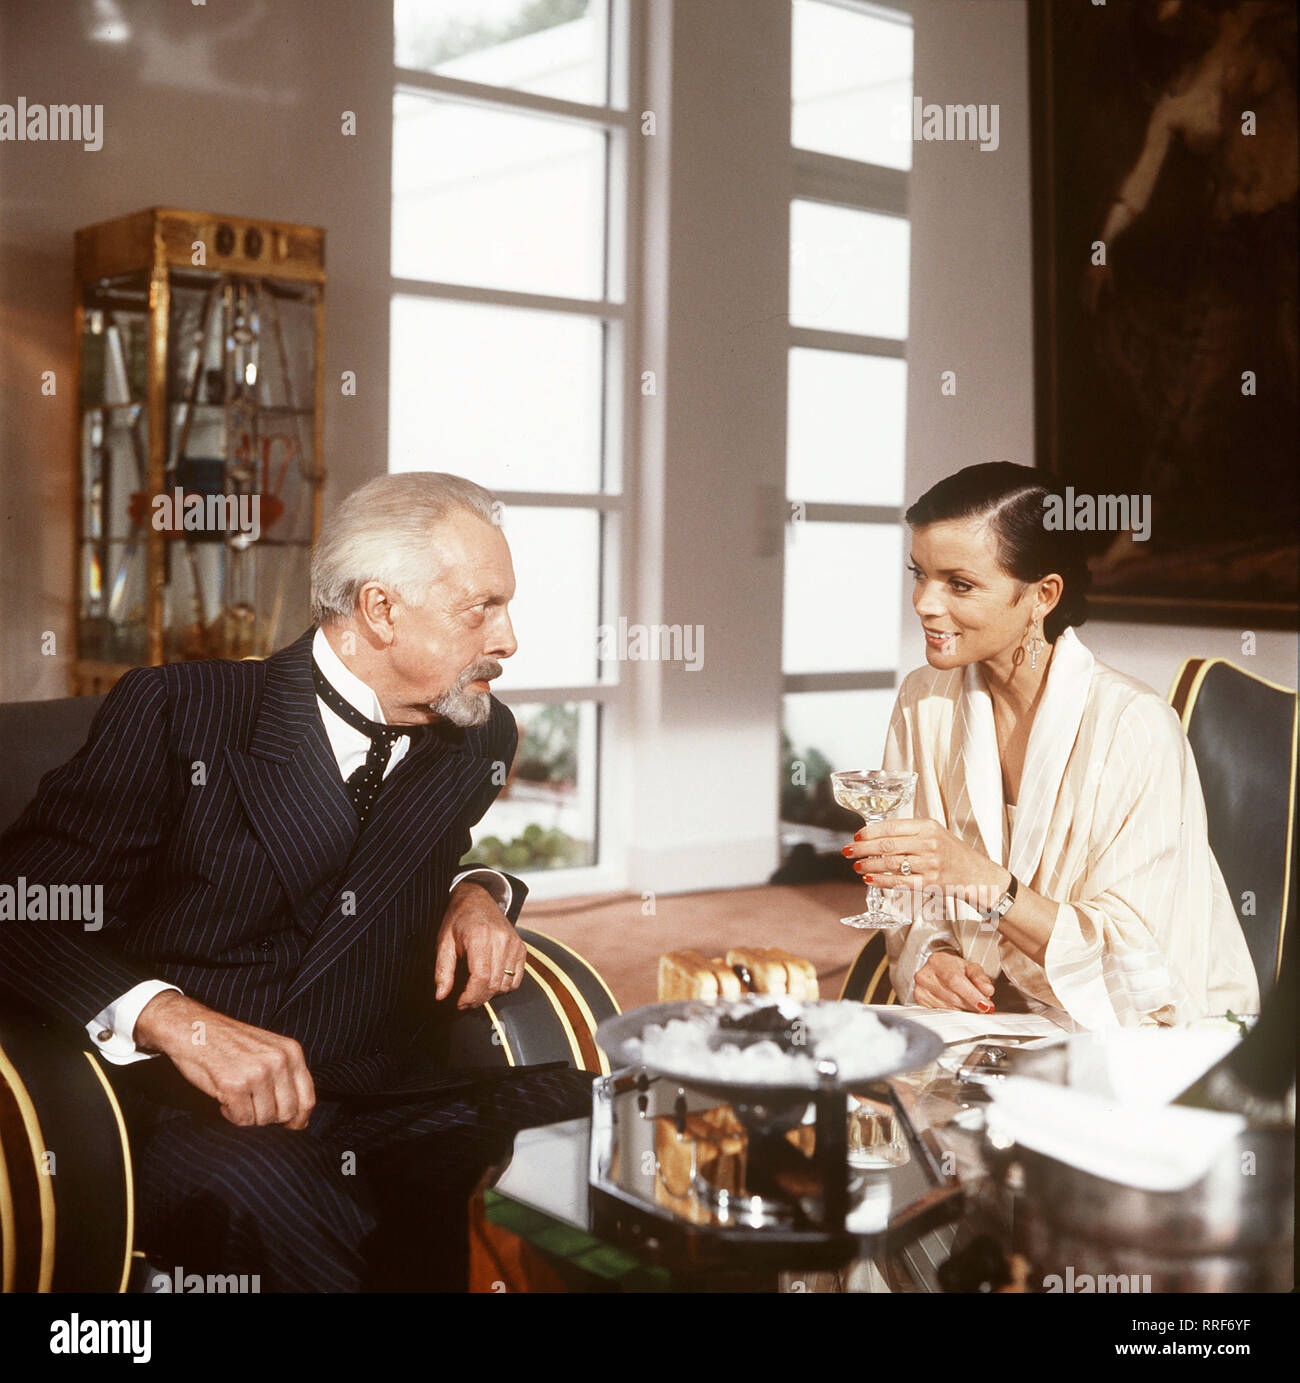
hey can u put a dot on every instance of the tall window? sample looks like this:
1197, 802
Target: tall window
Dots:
509, 255
851, 89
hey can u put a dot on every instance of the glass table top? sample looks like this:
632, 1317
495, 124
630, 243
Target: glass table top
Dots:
545, 1193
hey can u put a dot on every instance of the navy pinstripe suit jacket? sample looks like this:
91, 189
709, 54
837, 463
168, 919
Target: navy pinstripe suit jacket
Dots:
208, 803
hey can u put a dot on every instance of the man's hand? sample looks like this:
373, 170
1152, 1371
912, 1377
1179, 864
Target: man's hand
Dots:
948, 981
257, 1077
474, 927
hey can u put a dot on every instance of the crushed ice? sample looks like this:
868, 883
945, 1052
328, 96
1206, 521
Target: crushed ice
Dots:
848, 1034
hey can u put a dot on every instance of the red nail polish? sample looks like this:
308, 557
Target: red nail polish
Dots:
848, 850
869, 878
985, 1008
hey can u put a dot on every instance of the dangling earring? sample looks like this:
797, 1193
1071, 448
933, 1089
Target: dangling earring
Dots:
1035, 643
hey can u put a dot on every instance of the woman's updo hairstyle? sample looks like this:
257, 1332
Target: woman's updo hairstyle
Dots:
1010, 498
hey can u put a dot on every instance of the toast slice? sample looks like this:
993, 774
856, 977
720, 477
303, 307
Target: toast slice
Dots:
686, 975
801, 974
766, 974
766, 970
690, 975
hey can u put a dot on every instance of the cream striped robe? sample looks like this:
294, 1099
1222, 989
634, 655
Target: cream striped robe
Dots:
1110, 824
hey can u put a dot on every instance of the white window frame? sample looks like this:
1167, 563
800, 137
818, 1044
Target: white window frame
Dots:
617, 310
859, 186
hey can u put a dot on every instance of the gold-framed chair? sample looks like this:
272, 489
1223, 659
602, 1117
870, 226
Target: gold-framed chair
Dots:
868, 979
67, 1212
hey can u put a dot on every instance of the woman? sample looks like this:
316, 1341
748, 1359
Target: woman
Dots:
1058, 821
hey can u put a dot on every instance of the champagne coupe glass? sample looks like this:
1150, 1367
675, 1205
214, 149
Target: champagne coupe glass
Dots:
875, 795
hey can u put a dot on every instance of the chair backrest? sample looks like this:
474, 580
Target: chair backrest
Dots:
36, 736
868, 979
65, 1166
1242, 730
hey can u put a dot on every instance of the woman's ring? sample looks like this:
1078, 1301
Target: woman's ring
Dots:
905, 867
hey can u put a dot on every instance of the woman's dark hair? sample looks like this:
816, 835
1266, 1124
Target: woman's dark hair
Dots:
1010, 498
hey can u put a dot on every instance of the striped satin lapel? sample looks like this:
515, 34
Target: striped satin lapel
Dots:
970, 758
288, 780
425, 794
1051, 740
980, 796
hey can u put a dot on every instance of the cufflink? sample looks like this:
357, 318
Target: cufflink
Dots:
104, 1035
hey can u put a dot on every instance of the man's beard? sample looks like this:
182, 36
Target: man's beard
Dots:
467, 709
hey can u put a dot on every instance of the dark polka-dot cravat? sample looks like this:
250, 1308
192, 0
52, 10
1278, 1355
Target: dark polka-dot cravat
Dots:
363, 786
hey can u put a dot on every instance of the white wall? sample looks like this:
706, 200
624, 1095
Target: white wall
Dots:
702, 778
231, 107
972, 312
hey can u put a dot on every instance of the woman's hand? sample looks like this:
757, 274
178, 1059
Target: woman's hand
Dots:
932, 853
948, 981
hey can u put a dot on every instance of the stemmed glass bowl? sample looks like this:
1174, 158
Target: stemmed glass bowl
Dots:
876, 795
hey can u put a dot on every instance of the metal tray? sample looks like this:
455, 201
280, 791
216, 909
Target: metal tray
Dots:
615, 1033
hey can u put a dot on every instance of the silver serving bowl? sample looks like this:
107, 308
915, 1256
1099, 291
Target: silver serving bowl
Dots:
616, 1034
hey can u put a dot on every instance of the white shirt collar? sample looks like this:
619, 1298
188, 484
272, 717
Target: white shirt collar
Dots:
349, 744
350, 747
349, 686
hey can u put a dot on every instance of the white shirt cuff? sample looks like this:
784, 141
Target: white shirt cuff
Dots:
113, 1030
496, 884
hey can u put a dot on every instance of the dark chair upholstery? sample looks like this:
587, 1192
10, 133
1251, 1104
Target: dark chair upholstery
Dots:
37, 736
1242, 730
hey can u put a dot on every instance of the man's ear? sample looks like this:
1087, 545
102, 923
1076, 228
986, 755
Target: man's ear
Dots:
375, 612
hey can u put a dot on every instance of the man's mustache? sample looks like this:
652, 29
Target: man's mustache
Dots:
485, 671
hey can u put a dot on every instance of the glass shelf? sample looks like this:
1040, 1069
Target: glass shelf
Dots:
274, 409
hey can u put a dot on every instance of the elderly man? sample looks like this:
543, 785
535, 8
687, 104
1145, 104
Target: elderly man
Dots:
285, 931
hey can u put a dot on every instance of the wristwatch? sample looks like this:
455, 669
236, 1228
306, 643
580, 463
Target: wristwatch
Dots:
1000, 909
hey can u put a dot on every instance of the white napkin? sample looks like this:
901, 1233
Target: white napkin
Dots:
1114, 1119
1145, 1066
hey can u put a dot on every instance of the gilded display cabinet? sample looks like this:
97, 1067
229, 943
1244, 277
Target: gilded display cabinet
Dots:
199, 358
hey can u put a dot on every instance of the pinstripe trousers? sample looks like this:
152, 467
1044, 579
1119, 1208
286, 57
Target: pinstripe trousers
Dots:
366, 1198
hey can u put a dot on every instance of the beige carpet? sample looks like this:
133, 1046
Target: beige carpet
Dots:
612, 933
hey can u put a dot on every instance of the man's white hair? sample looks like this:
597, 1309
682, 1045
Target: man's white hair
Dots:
385, 532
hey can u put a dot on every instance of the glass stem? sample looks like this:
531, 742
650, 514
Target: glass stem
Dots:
875, 894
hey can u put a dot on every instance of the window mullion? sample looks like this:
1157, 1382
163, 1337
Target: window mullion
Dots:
409, 79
